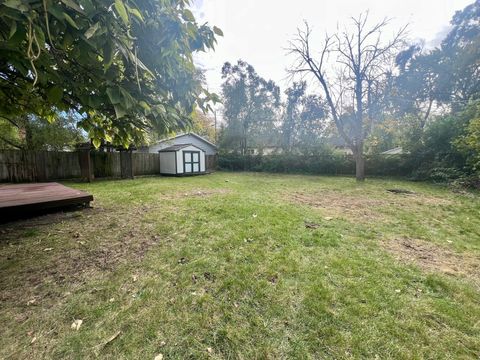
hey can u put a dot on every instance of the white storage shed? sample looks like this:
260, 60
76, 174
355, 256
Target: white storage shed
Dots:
182, 159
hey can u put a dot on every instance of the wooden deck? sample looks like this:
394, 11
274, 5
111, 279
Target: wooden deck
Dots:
27, 198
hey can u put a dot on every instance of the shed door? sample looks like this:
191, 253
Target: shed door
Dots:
191, 162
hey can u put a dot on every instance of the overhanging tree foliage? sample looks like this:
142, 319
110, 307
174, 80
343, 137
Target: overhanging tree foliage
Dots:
125, 65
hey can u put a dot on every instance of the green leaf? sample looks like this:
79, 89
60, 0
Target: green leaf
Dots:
114, 95
72, 4
96, 142
92, 30
135, 13
16, 4
122, 11
13, 29
55, 94
56, 11
108, 53
217, 31
40, 36
70, 21
145, 106
188, 16
128, 100
119, 111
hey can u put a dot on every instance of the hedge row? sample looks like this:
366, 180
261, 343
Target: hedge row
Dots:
322, 164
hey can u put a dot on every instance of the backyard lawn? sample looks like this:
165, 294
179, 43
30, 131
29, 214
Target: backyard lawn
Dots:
246, 266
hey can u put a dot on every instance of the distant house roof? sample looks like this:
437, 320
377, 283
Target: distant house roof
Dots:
394, 151
189, 133
175, 147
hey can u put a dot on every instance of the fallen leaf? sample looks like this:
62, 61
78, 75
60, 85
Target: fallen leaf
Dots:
158, 357
134, 278
48, 249
31, 302
209, 350
111, 300
328, 218
33, 340
76, 324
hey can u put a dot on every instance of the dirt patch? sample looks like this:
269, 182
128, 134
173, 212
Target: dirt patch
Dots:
68, 249
208, 192
195, 193
361, 206
434, 258
335, 204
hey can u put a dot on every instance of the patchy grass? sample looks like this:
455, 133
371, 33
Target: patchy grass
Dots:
244, 266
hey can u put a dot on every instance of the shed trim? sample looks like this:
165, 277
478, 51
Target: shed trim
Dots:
189, 133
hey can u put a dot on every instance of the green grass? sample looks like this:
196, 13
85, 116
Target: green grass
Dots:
223, 267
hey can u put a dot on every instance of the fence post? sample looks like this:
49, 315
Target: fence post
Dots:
126, 164
86, 170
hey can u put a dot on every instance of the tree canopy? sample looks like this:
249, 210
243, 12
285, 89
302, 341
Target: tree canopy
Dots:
251, 106
125, 66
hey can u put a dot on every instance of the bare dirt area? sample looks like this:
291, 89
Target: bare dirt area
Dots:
199, 193
433, 258
361, 206
335, 204
60, 249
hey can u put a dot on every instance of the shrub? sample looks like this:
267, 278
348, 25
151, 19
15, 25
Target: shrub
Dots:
325, 163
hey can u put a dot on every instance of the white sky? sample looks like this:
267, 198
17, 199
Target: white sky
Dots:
258, 31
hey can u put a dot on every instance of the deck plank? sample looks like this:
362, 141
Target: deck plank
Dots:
38, 196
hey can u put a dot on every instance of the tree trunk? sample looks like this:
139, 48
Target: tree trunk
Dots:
359, 166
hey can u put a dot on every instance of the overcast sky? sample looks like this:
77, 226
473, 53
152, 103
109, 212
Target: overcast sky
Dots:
258, 31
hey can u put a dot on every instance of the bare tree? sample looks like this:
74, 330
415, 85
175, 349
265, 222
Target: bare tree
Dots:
352, 68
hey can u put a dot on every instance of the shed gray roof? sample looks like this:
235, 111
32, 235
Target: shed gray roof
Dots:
177, 147
189, 133
174, 147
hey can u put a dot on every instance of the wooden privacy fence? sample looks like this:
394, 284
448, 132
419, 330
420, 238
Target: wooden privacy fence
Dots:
211, 162
26, 166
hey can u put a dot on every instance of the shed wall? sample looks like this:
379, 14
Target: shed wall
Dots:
167, 162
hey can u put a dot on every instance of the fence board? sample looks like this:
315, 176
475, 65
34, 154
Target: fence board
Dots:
146, 163
28, 166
